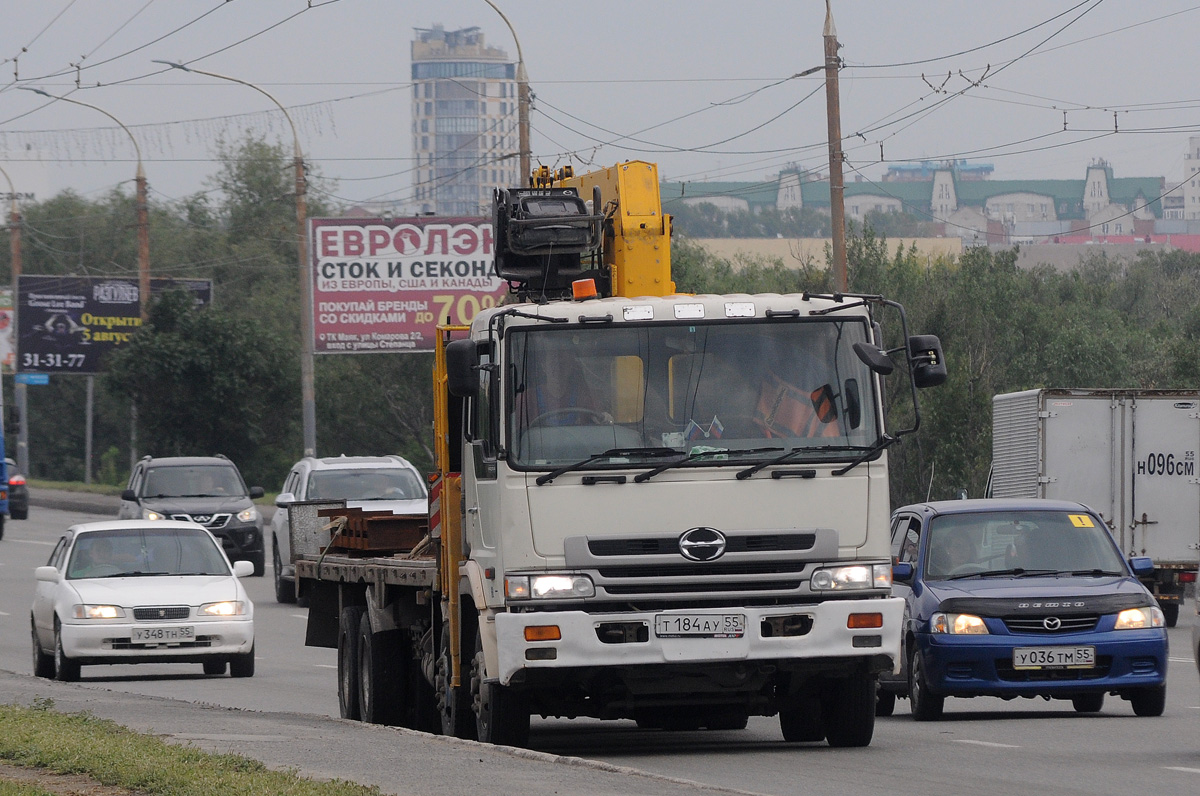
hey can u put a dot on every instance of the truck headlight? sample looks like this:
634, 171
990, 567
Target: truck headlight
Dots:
957, 624
99, 612
548, 587
1139, 618
858, 576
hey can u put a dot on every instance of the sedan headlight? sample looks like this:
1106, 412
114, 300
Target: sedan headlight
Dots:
226, 608
957, 624
147, 514
248, 515
858, 576
1139, 618
99, 612
548, 587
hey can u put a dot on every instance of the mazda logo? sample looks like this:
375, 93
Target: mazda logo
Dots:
1052, 623
702, 544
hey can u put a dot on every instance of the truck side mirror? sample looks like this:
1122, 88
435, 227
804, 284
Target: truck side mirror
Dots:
462, 360
902, 572
874, 358
928, 364
129, 494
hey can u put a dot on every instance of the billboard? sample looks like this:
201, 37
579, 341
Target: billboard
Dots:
383, 285
8, 349
66, 324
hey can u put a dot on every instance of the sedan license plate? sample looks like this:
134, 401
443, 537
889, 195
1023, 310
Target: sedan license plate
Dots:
1054, 657
700, 625
165, 634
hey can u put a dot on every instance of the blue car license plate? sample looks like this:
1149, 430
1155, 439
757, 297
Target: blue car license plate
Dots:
1054, 657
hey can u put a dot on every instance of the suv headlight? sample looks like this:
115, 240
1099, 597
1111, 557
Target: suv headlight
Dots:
147, 514
857, 576
548, 587
1139, 618
248, 515
957, 624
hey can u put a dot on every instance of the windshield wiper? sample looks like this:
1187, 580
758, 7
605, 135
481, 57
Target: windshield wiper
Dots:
141, 574
794, 452
646, 476
614, 453
1020, 572
206, 494
1095, 572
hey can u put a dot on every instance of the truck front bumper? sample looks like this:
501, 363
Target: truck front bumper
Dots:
586, 640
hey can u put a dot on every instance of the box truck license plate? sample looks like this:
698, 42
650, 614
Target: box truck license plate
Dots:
700, 625
1054, 657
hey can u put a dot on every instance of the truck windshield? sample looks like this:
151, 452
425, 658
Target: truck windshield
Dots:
751, 389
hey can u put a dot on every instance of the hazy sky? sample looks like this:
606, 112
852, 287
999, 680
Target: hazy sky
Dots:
704, 88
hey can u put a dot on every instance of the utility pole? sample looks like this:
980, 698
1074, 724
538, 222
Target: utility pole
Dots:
14, 249
837, 188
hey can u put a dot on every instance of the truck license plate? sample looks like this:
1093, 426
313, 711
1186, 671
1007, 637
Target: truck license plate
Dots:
152, 635
700, 625
1054, 657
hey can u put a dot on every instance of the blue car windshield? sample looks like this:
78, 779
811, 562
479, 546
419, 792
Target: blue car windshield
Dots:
1020, 543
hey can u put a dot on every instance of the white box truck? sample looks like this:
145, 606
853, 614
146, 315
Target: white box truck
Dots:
1128, 454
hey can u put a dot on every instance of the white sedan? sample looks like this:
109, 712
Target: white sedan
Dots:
141, 591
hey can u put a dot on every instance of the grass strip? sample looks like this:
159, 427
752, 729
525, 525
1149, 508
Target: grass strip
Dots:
80, 743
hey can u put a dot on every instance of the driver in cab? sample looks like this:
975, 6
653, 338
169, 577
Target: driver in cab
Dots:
556, 393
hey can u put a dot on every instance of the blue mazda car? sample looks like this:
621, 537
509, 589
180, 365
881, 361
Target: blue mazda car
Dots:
1021, 598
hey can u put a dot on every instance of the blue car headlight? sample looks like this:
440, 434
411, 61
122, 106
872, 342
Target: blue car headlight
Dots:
1140, 618
957, 624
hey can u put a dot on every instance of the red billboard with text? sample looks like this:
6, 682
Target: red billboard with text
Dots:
383, 285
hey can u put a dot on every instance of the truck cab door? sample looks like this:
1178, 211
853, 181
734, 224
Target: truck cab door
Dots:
481, 491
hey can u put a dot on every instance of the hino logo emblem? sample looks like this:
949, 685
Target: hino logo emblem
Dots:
1052, 623
702, 544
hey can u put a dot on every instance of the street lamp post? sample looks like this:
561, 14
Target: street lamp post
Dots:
308, 404
143, 258
522, 100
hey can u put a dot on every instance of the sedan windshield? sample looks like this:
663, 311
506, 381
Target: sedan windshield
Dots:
1019, 544
156, 551
742, 391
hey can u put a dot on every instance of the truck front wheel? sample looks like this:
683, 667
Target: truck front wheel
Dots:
501, 714
454, 703
1170, 613
850, 717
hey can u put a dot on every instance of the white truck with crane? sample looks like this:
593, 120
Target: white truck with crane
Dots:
648, 505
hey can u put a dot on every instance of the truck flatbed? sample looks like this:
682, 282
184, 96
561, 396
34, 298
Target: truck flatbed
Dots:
390, 570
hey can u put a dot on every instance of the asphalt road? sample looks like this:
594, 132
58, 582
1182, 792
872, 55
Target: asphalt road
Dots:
283, 717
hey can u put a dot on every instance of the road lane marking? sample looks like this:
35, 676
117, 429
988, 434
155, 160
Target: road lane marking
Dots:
33, 541
300, 616
325, 665
5, 613
1184, 770
1180, 660
987, 743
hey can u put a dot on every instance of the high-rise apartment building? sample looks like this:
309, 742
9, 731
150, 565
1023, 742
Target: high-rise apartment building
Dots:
464, 111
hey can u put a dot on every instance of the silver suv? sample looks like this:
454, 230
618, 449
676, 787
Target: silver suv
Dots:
380, 483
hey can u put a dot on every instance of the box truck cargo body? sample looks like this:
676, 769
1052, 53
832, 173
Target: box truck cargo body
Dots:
1128, 454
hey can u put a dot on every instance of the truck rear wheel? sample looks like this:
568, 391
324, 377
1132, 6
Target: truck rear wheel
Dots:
348, 622
850, 711
501, 714
382, 666
1170, 613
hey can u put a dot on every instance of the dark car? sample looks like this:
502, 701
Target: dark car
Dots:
207, 490
1021, 598
18, 492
